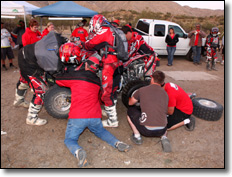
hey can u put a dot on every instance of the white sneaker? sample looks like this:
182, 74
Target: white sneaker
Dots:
222, 63
109, 123
22, 103
36, 121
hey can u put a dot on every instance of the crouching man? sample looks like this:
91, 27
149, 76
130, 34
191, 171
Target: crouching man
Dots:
150, 119
85, 111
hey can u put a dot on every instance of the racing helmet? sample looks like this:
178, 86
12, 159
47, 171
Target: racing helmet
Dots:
70, 53
96, 22
93, 63
214, 31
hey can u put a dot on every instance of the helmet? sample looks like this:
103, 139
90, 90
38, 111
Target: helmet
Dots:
93, 63
96, 22
214, 31
70, 53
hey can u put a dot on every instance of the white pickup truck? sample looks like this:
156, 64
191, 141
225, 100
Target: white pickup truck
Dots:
154, 33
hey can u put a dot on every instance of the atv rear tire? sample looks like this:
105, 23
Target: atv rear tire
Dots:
207, 109
129, 89
57, 102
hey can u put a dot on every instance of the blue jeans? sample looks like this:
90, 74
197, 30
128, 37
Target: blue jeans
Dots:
171, 51
196, 54
76, 126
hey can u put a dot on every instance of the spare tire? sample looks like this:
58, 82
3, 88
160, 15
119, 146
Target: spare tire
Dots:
129, 89
57, 102
207, 109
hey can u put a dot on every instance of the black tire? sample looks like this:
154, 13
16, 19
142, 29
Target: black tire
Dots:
189, 55
207, 109
57, 102
130, 88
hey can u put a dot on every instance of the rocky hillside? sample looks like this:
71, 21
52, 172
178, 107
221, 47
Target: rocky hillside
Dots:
139, 6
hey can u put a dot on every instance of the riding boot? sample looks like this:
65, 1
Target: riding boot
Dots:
112, 120
208, 66
20, 93
214, 65
32, 116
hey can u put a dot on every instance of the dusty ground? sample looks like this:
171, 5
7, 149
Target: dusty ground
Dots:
26, 146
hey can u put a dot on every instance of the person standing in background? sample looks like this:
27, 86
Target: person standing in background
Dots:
171, 40
18, 33
196, 43
6, 50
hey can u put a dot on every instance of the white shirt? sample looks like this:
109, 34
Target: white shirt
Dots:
5, 38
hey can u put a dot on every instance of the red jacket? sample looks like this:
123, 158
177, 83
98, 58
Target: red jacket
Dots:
81, 33
85, 90
45, 32
100, 40
137, 44
30, 37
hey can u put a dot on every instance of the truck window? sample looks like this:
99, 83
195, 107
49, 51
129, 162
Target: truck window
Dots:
159, 30
177, 30
143, 26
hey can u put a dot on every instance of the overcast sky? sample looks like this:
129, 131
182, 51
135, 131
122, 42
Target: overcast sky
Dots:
203, 4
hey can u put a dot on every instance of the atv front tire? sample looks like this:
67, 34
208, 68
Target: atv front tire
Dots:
57, 102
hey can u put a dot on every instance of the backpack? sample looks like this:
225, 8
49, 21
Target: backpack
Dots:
120, 43
46, 52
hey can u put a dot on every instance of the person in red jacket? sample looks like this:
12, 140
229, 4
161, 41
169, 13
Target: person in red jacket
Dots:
137, 46
50, 27
80, 32
103, 36
180, 108
32, 34
85, 110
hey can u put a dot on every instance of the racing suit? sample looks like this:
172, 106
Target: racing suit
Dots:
212, 43
136, 46
32, 73
110, 72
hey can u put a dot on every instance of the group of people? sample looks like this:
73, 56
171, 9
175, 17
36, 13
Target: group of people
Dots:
211, 46
163, 106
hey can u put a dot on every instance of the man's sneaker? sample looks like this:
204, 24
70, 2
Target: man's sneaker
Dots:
122, 147
166, 144
22, 103
81, 157
190, 126
110, 123
136, 140
36, 121
214, 68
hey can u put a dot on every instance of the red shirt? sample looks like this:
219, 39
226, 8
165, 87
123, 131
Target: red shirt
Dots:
178, 98
45, 32
85, 90
81, 33
196, 38
30, 37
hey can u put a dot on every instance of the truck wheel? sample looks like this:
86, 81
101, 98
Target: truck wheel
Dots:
189, 55
207, 109
57, 102
129, 89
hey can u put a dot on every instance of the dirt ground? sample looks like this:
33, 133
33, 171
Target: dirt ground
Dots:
25, 146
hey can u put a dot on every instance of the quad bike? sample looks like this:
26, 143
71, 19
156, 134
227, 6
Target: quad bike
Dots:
57, 99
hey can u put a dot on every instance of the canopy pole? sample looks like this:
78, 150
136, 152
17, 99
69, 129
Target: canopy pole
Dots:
41, 24
25, 20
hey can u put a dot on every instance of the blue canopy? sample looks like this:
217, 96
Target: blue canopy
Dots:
64, 9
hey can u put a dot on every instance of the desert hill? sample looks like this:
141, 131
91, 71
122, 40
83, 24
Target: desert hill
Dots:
139, 6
